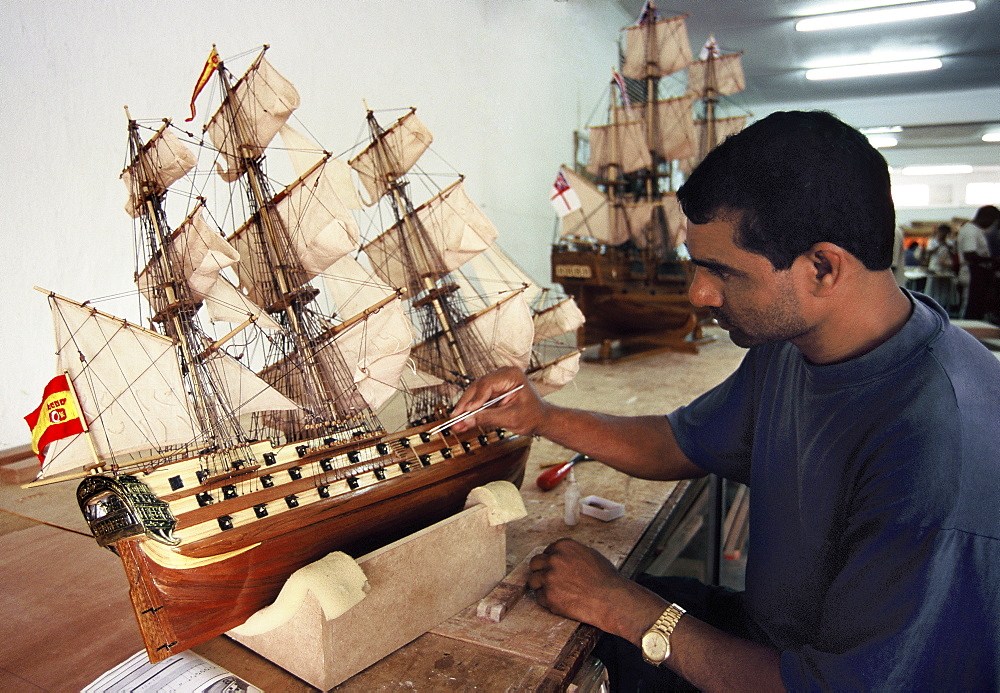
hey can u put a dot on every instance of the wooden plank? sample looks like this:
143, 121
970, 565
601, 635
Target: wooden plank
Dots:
21, 452
508, 592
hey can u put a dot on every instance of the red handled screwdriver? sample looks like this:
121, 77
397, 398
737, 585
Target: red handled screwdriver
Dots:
551, 477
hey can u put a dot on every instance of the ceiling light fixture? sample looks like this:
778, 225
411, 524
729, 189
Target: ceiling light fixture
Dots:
880, 15
992, 136
882, 141
882, 130
869, 69
943, 170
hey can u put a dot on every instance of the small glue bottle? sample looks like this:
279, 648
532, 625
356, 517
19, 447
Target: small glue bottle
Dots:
572, 499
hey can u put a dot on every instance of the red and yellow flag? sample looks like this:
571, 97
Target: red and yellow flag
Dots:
211, 65
56, 417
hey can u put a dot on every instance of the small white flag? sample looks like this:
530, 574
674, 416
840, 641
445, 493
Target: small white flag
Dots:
564, 199
710, 48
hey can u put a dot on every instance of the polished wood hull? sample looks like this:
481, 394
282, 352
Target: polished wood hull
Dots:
180, 607
623, 302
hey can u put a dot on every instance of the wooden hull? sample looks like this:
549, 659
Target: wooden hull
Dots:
212, 585
621, 301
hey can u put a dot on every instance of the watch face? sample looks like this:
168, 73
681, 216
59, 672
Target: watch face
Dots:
655, 646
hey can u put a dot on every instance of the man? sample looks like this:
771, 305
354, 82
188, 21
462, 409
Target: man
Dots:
976, 271
863, 422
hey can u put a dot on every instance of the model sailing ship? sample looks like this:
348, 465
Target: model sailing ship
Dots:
218, 465
620, 223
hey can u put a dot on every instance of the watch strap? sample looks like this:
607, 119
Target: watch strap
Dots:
665, 625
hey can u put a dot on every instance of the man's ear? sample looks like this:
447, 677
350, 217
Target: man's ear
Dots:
827, 263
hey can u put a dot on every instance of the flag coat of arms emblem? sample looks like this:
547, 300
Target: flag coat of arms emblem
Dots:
56, 417
564, 199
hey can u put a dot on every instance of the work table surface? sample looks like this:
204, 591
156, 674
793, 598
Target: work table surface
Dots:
531, 648
65, 614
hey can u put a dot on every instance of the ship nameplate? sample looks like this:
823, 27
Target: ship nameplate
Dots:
573, 271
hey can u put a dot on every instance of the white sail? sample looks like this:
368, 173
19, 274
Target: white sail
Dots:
304, 154
244, 391
672, 129
198, 255
644, 220
391, 155
163, 161
321, 227
717, 75
656, 50
622, 145
556, 320
225, 303
311, 222
265, 101
377, 347
504, 328
128, 384
555, 375
593, 219
455, 227
507, 330
495, 274
414, 379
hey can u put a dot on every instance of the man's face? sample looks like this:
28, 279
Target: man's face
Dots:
750, 299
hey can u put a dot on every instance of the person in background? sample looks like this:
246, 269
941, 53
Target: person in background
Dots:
993, 302
976, 271
899, 256
942, 263
912, 254
874, 542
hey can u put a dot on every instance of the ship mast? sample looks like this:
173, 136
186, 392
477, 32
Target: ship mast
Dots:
176, 308
320, 383
651, 247
460, 355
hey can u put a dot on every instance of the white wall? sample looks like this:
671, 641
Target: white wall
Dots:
500, 83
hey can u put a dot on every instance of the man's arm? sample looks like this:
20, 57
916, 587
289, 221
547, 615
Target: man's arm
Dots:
641, 446
575, 581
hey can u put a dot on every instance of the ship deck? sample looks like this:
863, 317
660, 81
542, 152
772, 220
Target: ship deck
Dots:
66, 615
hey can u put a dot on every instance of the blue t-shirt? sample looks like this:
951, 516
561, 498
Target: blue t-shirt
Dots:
874, 550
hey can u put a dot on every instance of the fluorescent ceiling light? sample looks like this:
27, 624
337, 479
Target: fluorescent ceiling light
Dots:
884, 130
992, 136
936, 170
880, 15
870, 69
882, 141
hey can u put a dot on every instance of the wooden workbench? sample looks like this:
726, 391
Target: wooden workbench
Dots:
530, 649
66, 617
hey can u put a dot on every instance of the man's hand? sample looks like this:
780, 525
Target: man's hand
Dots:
523, 412
575, 581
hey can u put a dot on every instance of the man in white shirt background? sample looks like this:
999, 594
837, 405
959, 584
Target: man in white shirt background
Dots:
976, 272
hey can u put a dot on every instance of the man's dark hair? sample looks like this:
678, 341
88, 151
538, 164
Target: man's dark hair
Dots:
797, 178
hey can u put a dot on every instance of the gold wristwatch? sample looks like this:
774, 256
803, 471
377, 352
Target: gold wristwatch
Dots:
656, 640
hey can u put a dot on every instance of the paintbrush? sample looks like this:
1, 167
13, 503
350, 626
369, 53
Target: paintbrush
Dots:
460, 417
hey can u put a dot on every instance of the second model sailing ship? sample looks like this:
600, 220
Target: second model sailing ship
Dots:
620, 224
218, 464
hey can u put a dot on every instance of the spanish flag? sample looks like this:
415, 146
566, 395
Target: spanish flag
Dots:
56, 417
211, 65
